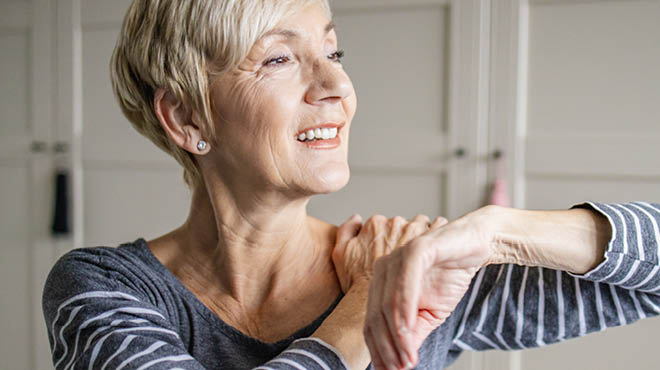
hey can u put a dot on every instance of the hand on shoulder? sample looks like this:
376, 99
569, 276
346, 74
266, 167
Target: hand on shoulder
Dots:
358, 245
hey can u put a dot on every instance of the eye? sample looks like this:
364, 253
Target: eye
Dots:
336, 56
275, 61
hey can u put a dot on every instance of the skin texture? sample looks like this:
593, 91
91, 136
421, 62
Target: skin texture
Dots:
415, 288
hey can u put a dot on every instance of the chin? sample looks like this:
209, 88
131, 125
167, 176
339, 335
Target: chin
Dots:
330, 178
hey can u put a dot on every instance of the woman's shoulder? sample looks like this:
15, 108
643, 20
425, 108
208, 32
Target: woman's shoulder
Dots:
101, 261
326, 229
126, 268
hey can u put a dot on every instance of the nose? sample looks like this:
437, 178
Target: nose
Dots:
329, 84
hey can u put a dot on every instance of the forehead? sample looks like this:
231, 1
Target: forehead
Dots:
308, 22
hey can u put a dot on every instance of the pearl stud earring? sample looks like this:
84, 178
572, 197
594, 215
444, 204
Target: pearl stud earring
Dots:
201, 145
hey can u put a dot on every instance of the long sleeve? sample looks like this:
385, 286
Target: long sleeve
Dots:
514, 307
96, 322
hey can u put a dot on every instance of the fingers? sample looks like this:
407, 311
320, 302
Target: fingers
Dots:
424, 219
418, 226
397, 226
408, 284
400, 338
349, 229
439, 222
378, 336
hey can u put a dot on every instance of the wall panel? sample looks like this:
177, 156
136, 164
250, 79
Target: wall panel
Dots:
593, 129
124, 204
14, 78
15, 313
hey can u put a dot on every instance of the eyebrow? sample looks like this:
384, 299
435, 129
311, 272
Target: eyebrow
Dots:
293, 34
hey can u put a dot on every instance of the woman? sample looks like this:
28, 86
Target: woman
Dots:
250, 97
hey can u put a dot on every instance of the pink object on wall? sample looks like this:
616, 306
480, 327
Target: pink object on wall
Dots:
500, 193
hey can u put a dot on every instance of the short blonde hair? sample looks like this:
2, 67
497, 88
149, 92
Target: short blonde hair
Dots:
178, 45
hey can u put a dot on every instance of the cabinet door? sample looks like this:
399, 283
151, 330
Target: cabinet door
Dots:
15, 182
25, 180
593, 130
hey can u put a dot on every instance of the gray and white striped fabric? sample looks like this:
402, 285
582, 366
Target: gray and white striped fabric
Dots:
119, 308
515, 307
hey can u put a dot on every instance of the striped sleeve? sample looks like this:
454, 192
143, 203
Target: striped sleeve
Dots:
308, 353
514, 307
95, 323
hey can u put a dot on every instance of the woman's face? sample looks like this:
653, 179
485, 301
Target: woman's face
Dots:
292, 83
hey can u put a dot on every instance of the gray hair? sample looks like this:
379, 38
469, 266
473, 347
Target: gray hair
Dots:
178, 45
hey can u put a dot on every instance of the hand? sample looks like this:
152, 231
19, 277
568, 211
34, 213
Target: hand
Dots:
415, 289
358, 246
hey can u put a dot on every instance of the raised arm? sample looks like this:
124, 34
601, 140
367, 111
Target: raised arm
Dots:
610, 250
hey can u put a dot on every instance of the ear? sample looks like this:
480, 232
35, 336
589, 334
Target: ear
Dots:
178, 123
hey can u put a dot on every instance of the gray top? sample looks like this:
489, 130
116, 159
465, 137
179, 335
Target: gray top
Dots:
114, 308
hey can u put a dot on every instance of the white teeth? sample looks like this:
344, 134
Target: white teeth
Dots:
318, 134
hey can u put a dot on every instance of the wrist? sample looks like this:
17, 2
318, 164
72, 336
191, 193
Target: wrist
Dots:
343, 329
359, 285
504, 230
485, 225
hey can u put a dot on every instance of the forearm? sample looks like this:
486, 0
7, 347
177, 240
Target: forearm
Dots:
572, 240
343, 328
611, 250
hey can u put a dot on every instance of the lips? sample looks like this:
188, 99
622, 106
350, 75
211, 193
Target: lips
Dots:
322, 136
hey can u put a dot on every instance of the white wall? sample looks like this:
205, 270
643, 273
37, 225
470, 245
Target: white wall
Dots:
592, 133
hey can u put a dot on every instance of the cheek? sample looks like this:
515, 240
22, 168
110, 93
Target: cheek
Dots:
255, 119
243, 106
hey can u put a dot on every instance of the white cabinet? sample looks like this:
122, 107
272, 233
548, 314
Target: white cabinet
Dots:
592, 133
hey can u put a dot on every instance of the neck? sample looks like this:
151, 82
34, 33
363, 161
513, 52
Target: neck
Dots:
250, 248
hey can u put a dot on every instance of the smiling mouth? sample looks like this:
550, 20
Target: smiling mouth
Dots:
319, 133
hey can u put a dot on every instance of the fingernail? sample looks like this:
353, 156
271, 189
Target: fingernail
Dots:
406, 361
403, 330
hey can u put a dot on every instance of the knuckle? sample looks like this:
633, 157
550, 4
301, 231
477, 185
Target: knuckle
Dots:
414, 228
375, 220
398, 220
379, 218
422, 217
